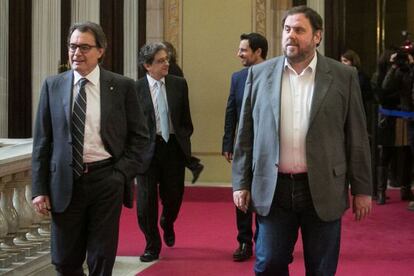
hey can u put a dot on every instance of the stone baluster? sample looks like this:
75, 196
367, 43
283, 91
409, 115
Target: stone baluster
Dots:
24, 212
37, 218
12, 218
5, 258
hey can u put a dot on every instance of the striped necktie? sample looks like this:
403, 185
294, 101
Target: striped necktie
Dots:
78, 128
163, 111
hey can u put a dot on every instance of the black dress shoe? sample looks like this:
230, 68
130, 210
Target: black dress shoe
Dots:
381, 198
406, 194
169, 237
148, 257
243, 252
196, 172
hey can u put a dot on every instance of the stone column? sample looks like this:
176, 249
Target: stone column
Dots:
173, 25
130, 38
280, 8
319, 7
45, 44
155, 20
85, 10
4, 65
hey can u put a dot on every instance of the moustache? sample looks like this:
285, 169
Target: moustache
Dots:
291, 43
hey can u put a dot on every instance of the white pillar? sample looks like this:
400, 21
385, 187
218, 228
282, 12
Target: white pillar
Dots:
85, 10
130, 38
4, 67
155, 20
319, 7
45, 44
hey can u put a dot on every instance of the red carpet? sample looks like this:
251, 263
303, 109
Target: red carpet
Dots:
382, 245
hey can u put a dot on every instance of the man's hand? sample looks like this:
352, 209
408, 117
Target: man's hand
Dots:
41, 204
228, 156
361, 206
241, 199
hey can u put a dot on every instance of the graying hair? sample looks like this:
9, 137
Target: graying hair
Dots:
148, 51
93, 28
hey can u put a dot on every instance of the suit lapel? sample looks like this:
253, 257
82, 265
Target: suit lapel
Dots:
323, 80
67, 87
274, 87
107, 89
169, 89
148, 98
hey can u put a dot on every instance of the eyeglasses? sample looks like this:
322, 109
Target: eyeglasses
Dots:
162, 61
84, 48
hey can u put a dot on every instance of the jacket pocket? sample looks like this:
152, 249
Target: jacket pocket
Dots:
340, 169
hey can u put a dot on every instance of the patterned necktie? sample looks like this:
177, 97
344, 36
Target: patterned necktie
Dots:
163, 111
78, 128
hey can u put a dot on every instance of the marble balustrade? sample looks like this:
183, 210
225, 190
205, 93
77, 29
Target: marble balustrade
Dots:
24, 234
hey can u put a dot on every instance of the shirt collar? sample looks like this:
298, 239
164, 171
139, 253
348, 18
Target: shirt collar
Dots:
152, 81
311, 66
92, 77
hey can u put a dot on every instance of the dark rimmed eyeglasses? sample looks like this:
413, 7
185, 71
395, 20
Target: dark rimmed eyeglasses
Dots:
84, 48
162, 61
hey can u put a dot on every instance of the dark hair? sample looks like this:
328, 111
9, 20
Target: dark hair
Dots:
148, 51
172, 53
256, 41
353, 57
95, 30
314, 18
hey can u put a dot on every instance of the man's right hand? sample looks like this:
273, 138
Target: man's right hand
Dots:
228, 156
42, 204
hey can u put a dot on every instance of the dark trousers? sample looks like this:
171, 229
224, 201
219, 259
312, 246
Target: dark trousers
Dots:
403, 163
166, 169
244, 226
89, 225
292, 209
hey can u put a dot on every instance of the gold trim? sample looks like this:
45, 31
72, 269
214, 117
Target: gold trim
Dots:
260, 17
173, 25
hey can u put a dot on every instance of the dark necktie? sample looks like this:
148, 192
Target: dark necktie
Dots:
78, 128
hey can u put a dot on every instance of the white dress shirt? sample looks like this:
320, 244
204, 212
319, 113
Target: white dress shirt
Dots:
93, 148
297, 93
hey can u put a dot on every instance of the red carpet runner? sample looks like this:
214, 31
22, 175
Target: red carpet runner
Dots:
382, 245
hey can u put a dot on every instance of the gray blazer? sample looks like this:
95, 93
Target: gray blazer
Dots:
337, 148
123, 131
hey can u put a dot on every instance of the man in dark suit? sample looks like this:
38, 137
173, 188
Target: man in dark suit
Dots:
194, 164
89, 140
252, 50
166, 106
301, 142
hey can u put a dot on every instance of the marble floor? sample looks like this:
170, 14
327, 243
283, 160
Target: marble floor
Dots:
129, 266
124, 266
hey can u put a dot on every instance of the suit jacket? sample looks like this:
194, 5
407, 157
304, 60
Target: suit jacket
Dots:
178, 108
337, 148
123, 131
234, 103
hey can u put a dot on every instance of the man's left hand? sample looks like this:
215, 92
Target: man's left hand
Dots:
361, 206
241, 199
